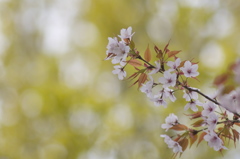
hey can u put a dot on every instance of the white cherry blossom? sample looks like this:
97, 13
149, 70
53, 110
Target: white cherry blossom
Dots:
190, 95
171, 120
117, 51
174, 64
212, 121
120, 72
126, 34
172, 144
168, 79
147, 87
208, 107
121, 53
170, 94
158, 101
193, 105
231, 101
214, 141
190, 70
156, 69
111, 47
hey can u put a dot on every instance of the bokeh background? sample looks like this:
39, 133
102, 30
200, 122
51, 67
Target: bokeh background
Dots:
58, 97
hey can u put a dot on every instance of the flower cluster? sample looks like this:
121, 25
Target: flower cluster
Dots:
214, 119
118, 51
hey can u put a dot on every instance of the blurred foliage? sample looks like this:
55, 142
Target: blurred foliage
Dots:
58, 98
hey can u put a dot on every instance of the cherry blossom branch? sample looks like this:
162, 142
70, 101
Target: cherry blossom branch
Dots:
197, 91
140, 58
229, 121
205, 96
176, 77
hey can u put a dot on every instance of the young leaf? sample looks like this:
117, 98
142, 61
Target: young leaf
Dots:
132, 45
193, 138
179, 127
238, 124
147, 54
142, 79
195, 115
201, 137
198, 123
159, 52
184, 144
166, 47
134, 83
226, 133
182, 64
133, 76
235, 136
135, 62
227, 89
173, 53
219, 80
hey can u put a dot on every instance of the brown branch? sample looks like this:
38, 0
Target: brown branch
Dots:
205, 96
139, 57
197, 91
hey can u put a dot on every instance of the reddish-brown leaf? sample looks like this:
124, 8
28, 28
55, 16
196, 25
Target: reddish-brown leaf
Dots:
219, 80
184, 144
182, 64
173, 53
159, 52
166, 47
195, 115
201, 137
135, 62
235, 136
134, 83
226, 133
156, 49
147, 54
193, 138
142, 79
198, 123
238, 124
133, 76
179, 127
227, 89
109, 55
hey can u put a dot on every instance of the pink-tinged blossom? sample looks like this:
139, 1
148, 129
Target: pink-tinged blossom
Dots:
238, 98
120, 72
121, 53
212, 121
193, 105
190, 70
214, 141
170, 94
172, 144
158, 101
236, 71
174, 64
156, 69
147, 87
231, 101
162, 93
208, 108
126, 34
111, 47
168, 79
171, 120
117, 51
190, 95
